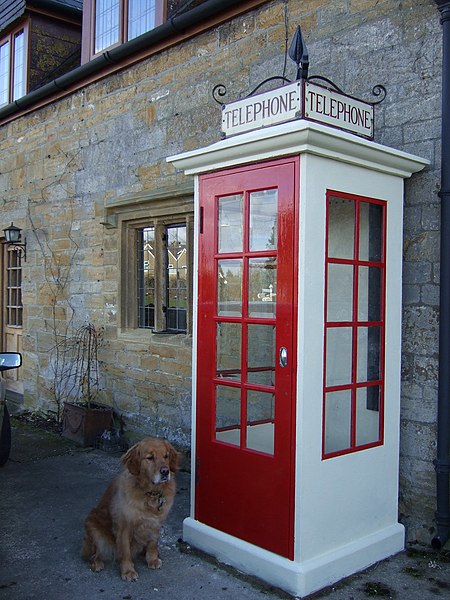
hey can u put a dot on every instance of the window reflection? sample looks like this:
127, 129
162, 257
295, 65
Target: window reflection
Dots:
340, 292
229, 344
262, 285
339, 356
229, 283
4, 73
228, 415
141, 17
337, 421
263, 220
19, 77
370, 236
231, 223
261, 354
367, 419
260, 421
341, 227
106, 23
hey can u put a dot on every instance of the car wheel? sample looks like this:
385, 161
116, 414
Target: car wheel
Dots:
5, 437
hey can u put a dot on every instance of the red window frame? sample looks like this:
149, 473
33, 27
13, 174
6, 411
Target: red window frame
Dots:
355, 324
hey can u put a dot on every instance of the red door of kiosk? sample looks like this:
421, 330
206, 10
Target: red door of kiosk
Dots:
246, 353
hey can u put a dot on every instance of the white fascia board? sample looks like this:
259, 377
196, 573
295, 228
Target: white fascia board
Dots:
298, 137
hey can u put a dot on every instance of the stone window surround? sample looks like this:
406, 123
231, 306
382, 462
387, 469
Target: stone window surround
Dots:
129, 214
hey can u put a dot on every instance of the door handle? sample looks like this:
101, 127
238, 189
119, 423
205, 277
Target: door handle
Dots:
283, 356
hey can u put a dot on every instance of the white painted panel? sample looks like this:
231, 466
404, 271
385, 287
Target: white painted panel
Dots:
354, 495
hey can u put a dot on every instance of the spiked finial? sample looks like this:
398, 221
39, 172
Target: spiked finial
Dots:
298, 52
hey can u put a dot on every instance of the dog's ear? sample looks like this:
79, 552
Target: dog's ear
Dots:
174, 458
131, 460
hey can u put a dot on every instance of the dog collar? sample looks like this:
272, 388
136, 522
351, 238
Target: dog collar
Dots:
156, 500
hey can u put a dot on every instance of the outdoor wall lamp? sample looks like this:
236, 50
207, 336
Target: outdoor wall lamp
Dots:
13, 235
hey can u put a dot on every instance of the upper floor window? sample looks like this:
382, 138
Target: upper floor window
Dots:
117, 21
13, 62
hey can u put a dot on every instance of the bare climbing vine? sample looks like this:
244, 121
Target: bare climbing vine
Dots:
74, 360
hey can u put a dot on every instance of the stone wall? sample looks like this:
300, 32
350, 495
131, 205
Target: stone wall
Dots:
62, 164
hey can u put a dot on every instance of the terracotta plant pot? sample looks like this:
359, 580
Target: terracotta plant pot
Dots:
84, 425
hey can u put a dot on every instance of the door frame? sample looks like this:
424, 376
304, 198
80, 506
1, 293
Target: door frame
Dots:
13, 379
293, 266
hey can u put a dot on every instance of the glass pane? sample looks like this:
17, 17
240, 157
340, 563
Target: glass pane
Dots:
229, 284
141, 17
262, 287
231, 223
260, 421
19, 66
337, 421
340, 293
228, 415
263, 220
176, 278
370, 231
228, 344
341, 228
14, 307
367, 418
146, 277
12, 278
261, 354
369, 294
368, 354
106, 24
14, 259
339, 356
4, 73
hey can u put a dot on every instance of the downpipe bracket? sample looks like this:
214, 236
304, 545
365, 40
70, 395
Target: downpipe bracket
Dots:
442, 466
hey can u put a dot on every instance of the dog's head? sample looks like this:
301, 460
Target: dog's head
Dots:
152, 460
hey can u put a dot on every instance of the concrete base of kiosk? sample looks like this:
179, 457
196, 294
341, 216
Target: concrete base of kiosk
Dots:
297, 578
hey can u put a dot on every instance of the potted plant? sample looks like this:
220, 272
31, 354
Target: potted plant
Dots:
84, 417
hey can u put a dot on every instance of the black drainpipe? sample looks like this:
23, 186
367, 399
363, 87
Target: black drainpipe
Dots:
442, 462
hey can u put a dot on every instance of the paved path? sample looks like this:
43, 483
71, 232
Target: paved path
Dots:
48, 487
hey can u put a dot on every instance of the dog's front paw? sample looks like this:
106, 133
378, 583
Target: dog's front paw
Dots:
129, 574
154, 563
97, 565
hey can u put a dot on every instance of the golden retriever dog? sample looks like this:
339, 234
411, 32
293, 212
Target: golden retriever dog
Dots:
129, 516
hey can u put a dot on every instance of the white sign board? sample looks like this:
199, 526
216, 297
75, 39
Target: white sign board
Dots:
329, 107
255, 112
299, 100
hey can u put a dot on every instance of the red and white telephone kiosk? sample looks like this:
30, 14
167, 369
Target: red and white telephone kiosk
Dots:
297, 342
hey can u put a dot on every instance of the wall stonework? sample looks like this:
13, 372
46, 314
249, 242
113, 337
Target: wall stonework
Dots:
62, 164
